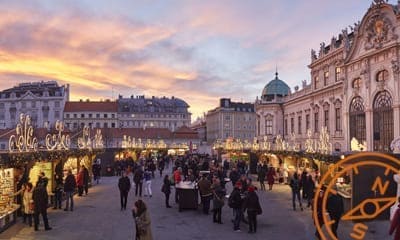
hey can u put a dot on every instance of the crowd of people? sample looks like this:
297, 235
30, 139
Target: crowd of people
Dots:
34, 199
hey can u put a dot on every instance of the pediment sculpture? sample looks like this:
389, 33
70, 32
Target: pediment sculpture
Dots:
379, 30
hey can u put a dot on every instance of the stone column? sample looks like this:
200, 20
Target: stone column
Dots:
369, 135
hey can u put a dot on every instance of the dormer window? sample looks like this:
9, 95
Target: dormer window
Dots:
357, 83
382, 76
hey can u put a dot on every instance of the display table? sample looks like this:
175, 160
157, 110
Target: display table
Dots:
8, 217
187, 195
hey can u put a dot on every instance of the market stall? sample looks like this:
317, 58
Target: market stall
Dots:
188, 196
8, 209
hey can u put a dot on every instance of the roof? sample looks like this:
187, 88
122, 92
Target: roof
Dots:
106, 106
276, 87
185, 132
153, 104
148, 133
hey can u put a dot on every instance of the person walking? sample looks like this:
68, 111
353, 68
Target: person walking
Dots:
166, 189
161, 166
261, 177
80, 182
58, 191
235, 202
147, 180
295, 186
40, 200
335, 207
271, 177
96, 168
303, 180
395, 223
218, 200
124, 185
234, 176
86, 179
205, 193
309, 188
138, 180
142, 221
253, 207
69, 189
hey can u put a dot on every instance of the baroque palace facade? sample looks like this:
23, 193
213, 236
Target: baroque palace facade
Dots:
354, 90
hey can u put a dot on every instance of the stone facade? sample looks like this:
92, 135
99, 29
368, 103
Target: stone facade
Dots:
141, 112
231, 120
354, 89
43, 101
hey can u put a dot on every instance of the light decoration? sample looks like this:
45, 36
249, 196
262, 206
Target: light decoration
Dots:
23, 141
58, 141
217, 144
161, 144
360, 147
98, 140
84, 142
309, 144
126, 142
294, 146
265, 145
255, 146
139, 144
247, 145
280, 144
324, 144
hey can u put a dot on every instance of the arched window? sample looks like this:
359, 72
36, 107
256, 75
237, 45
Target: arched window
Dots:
382, 76
383, 121
357, 83
357, 119
268, 124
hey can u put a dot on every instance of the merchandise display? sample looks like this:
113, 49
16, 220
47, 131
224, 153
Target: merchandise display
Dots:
47, 168
7, 205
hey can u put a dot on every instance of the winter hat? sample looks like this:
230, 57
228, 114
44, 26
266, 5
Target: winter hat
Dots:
251, 189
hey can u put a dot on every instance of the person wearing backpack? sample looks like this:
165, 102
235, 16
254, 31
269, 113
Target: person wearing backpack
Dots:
295, 185
235, 202
252, 205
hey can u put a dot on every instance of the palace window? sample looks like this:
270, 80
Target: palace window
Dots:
337, 74
268, 126
285, 127
382, 76
338, 124
326, 78
316, 80
316, 122
357, 119
357, 83
299, 124
326, 119
307, 122
383, 123
291, 125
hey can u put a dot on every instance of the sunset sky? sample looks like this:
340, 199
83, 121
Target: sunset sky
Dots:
195, 50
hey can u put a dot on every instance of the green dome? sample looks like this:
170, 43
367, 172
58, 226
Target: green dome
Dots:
275, 87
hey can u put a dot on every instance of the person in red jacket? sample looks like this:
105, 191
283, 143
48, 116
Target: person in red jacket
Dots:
271, 177
395, 224
79, 182
177, 179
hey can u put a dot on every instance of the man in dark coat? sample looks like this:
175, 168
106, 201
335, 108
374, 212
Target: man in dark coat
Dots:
205, 193
85, 179
235, 201
40, 200
138, 180
69, 189
261, 176
124, 185
335, 209
234, 176
252, 204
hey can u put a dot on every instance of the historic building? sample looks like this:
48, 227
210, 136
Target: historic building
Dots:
154, 112
231, 120
354, 89
43, 101
93, 114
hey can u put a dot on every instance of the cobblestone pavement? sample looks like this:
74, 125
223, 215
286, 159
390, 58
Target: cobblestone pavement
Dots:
98, 216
